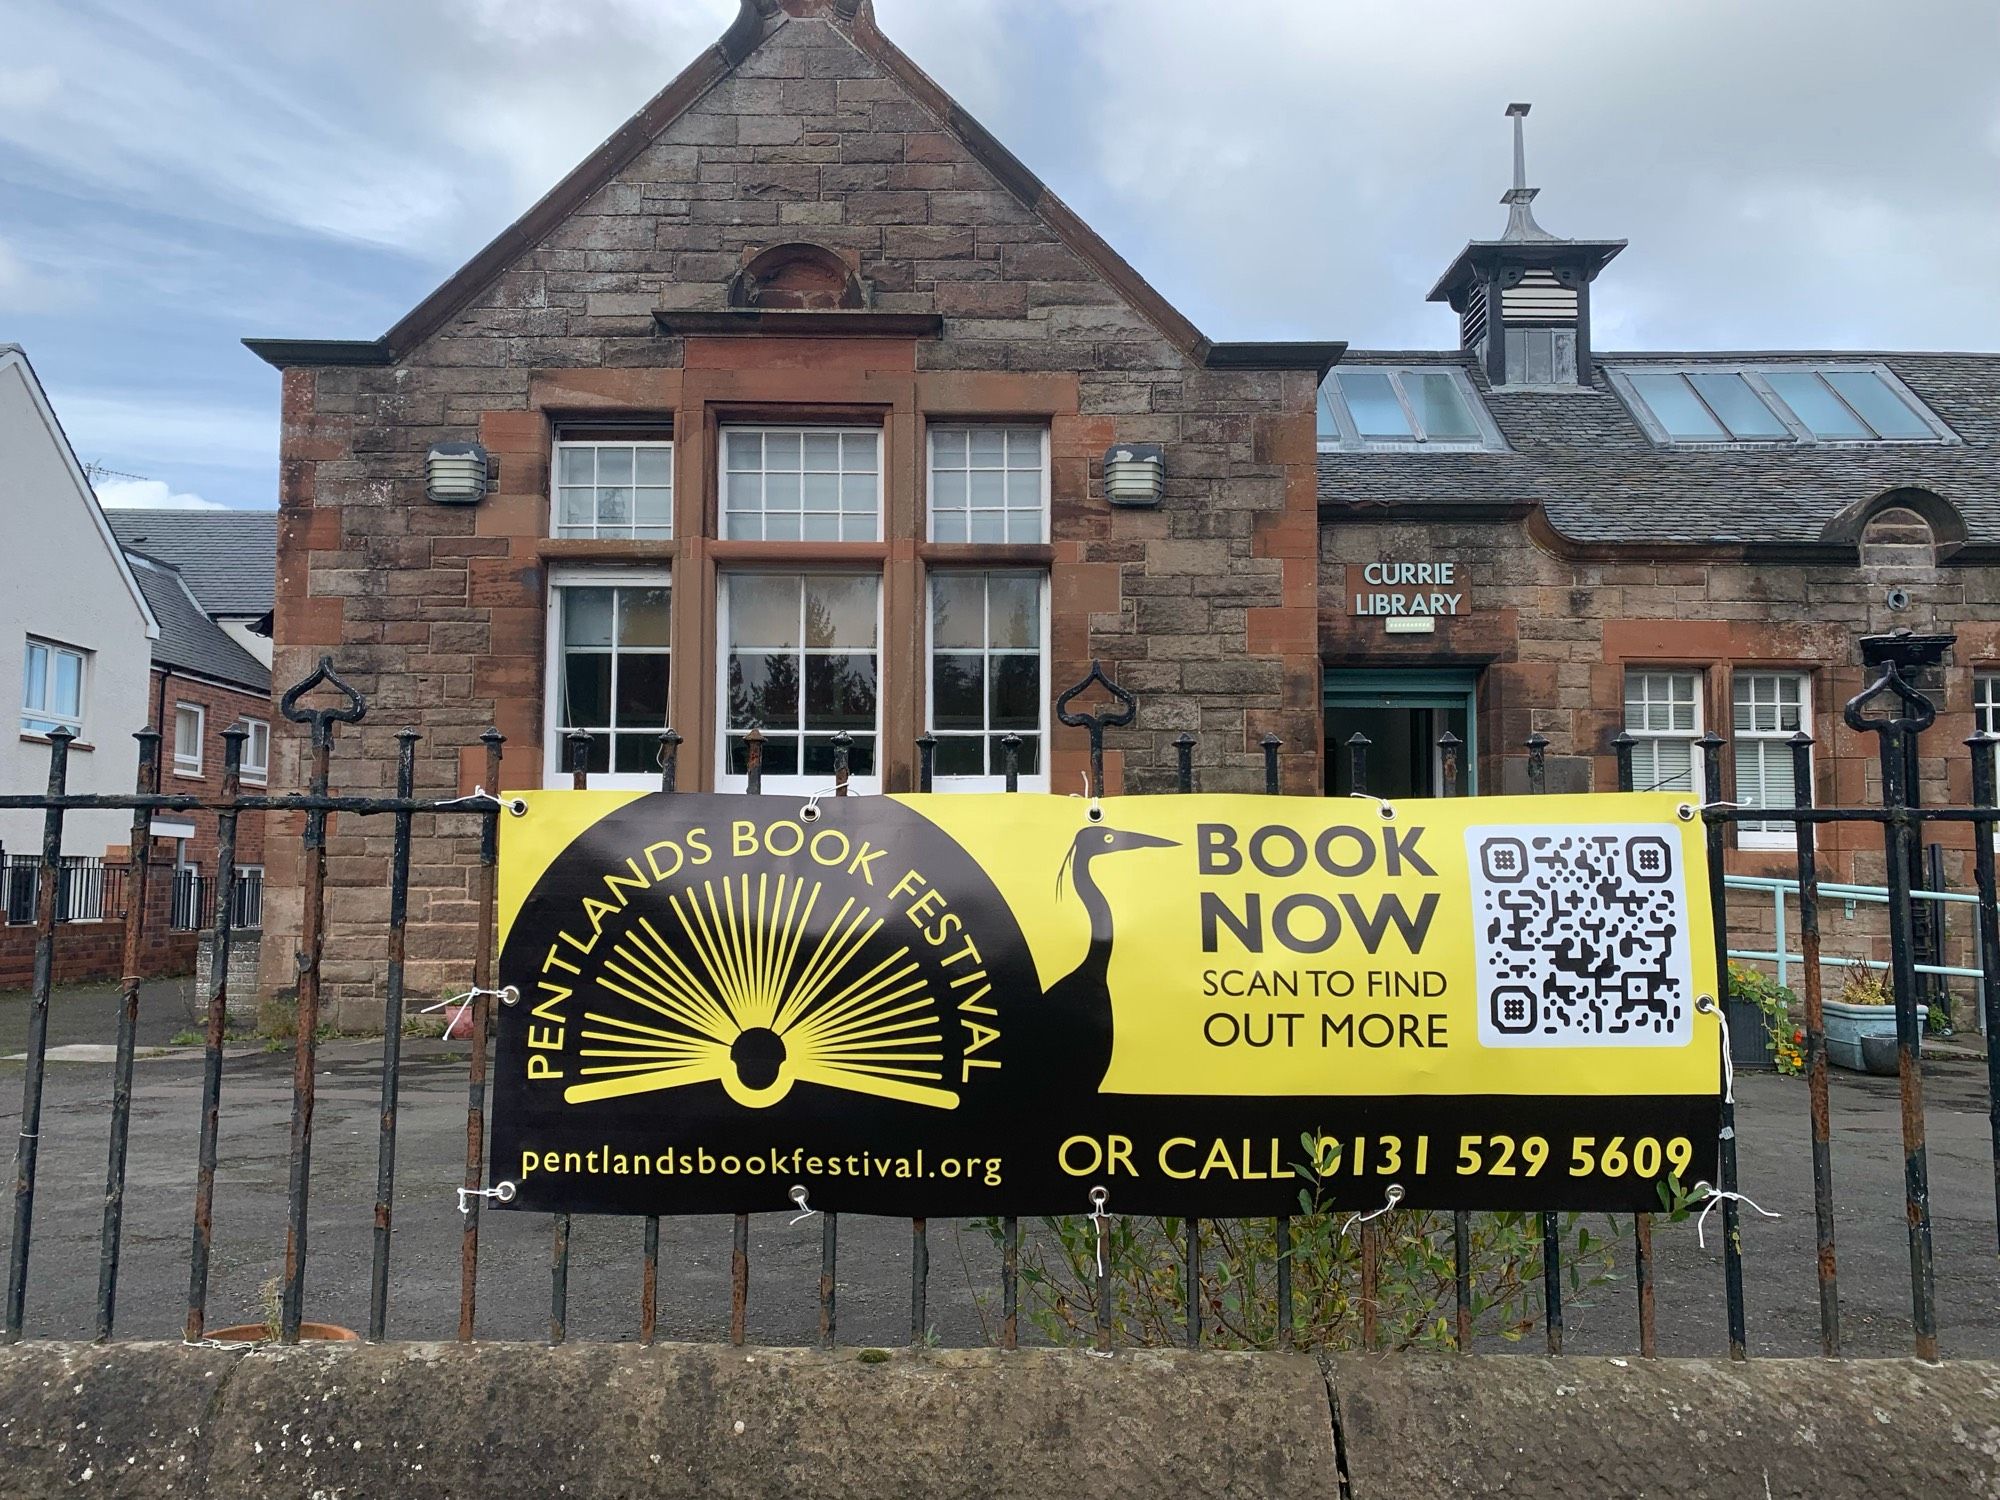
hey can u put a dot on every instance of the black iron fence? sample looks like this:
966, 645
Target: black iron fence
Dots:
191, 905
87, 889
1901, 821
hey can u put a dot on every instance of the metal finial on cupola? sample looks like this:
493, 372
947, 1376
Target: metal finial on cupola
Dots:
1521, 223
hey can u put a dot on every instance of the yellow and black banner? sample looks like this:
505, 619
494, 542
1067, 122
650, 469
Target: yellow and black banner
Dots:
957, 1005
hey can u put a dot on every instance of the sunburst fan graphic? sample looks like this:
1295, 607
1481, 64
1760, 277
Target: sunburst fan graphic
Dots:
751, 999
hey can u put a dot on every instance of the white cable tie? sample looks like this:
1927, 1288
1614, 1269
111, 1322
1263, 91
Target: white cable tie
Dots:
798, 1196
1706, 1004
1709, 1204
1389, 1200
1099, 1196
810, 812
1382, 805
477, 794
500, 1192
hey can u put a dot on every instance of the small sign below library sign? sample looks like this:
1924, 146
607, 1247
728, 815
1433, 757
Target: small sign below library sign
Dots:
1407, 596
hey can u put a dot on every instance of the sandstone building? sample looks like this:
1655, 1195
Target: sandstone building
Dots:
797, 398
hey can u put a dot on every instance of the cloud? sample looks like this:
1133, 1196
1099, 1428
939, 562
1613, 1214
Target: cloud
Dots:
30, 288
149, 494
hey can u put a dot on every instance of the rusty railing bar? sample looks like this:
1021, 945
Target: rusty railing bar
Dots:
576, 746
1984, 793
1371, 1243
1816, 1078
217, 1026
1642, 1224
739, 1229
1449, 748
1711, 745
649, 1234
28, 1144
487, 892
1282, 1225
111, 1237
1552, 1269
1010, 1228
392, 1040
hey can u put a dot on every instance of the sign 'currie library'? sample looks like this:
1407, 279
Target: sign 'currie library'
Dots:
1421, 590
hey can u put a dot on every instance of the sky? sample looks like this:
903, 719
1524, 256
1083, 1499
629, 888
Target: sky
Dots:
174, 177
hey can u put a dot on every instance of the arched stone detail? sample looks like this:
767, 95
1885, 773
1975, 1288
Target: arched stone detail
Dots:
797, 277
1905, 526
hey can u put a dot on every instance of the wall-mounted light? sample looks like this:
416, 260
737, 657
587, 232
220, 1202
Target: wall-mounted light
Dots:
457, 473
1134, 473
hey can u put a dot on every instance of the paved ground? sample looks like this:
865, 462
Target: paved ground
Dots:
875, 1254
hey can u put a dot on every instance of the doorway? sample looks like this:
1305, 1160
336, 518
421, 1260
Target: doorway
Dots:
1403, 714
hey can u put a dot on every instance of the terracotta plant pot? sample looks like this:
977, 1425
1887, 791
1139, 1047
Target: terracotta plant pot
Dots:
259, 1333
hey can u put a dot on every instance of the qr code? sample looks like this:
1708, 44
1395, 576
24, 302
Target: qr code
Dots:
1581, 936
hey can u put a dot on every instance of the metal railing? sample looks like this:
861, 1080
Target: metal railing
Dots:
1782, 957
1900, 819
87, 889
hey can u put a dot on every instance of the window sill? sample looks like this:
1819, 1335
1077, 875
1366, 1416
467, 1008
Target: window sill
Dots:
29, 737
604, 549
183, 774
988, 553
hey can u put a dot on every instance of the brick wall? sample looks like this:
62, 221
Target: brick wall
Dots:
94, 952
1204, 606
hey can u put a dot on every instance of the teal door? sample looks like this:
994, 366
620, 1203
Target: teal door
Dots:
1403, 715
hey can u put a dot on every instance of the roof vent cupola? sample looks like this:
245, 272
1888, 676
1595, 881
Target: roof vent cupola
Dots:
1523, 300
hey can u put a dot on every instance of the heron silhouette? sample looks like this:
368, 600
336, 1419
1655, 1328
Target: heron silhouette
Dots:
1068, 1031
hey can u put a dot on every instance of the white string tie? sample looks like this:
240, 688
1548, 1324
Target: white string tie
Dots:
798, 1196
1095, 812
506, 995
478, 794
1715, 1198
1382, 805
810, 812
500, 1192
1100, 1196
1706, 1005
1389, 1200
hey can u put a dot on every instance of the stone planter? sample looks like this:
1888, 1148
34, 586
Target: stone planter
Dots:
1847, 1024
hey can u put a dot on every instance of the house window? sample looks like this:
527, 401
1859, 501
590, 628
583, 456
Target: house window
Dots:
1541, 356
610, 483
1986, 702
1721, 403
51, 688
800, 663
190, 719
610, 645
1365, 409
988, 676
257, 751
790, 484
989, 484
1770, 707
1663, 716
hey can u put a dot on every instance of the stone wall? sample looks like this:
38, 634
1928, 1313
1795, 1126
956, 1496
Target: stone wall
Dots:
823, 133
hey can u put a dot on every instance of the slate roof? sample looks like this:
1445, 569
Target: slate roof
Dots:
189, 641
1582, 457
229, 558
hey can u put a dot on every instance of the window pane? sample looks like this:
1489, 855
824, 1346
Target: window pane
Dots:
1329, 426
257, 748
860, 755
817, 527
653, 507
958, 691
1014, 610
822, 492
781, 756
614, 466
948, 490
1539, 356
586, 689
1027, 755
781, 491
1742, 410
1024, 526
1815, 405
949, 526
840, 611
638, 753
187, 734
578, 507
654, 466
989, 526
587, 617
989, 446
34, 690
858, 451
1674, 406
642, 691
66, 697
948, 447
763, 689
575, 465
782, 450
614, 508
840, 692
1439, 406
1373, 405
745, 450
1878, 404
1017, 692
959, 755
957, 610
822, 450
1024, 489
763, 610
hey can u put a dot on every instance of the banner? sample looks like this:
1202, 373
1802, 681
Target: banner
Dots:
989, 1004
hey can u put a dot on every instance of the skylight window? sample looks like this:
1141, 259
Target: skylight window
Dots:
1776, 404
1384, 408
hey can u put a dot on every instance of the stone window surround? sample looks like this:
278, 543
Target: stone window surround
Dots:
728, 382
